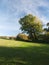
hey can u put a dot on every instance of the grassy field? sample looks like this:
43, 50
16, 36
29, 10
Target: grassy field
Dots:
23, 53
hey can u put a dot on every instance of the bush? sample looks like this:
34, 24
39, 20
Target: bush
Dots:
44, 37
22, 37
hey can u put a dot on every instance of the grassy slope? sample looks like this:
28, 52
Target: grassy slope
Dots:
23, 53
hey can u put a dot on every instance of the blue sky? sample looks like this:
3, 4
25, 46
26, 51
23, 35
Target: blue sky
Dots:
12, 10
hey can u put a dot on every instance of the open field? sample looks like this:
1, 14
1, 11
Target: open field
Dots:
23, 53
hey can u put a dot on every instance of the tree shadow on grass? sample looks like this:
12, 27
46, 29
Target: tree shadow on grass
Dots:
35, 41
36, 55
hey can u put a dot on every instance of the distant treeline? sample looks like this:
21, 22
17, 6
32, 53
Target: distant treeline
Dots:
7, 37
23, 37
18, 37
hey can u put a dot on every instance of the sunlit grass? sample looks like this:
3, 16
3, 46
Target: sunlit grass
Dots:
12, 43
23, 53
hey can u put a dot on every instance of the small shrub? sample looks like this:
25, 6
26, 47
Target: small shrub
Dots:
44, 37
22, 37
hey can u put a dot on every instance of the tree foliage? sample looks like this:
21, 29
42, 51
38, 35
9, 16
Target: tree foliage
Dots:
31, 25
22, 36
47, 27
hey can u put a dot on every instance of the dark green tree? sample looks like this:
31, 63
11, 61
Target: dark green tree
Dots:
31, 25
48, 26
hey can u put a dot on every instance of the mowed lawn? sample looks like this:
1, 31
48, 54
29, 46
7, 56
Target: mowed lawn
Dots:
23, 53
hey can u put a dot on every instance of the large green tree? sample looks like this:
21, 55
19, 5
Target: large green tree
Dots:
31, 25
47, 27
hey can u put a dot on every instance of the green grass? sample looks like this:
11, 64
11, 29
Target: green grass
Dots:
23, 53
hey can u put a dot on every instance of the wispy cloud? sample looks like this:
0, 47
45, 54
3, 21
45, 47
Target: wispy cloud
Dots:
12, 10
20, 8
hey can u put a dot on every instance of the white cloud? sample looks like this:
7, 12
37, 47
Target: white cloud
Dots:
14, 9
28, 6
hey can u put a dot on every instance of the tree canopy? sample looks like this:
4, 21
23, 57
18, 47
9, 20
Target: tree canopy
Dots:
47, 27
31, 25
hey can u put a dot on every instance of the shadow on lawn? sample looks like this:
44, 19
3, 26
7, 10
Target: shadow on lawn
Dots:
37, 55
35, 41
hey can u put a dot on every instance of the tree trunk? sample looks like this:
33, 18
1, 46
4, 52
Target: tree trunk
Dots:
35, 36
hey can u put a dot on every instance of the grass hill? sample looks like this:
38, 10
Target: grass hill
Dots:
23, 53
